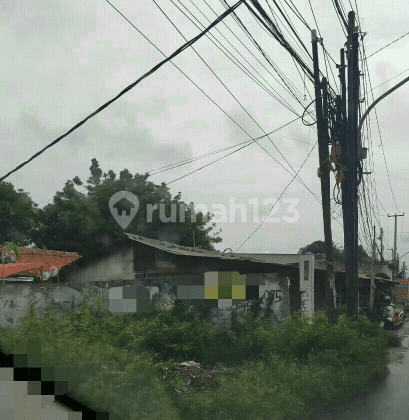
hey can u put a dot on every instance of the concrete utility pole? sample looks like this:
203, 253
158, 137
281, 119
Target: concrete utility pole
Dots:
350, 162
373, 272
2, 263
381, 250
397, 265
323, 173
395, 244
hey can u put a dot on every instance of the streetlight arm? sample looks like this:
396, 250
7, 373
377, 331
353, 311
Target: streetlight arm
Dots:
378, 100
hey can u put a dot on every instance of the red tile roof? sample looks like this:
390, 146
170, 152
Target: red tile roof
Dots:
45, 259
17, 268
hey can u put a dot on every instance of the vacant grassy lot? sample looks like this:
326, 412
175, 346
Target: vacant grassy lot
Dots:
251, 370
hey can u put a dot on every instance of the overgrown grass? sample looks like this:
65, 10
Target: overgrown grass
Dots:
273, 371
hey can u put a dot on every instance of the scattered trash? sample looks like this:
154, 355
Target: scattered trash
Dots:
197, 377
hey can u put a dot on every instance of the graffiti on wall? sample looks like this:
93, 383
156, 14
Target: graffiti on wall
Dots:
304, 301
221, 292
269, 299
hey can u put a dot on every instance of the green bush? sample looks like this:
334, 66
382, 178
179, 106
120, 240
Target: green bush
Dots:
299, 364
354, 341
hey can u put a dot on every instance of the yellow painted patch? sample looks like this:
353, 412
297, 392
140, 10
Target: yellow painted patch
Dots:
211, 292
238, 292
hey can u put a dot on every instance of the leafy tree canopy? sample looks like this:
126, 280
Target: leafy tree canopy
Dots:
79, 219
18, 215
318, 247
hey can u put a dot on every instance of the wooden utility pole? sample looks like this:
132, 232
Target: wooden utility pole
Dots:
395, 244
323, 173
350, 162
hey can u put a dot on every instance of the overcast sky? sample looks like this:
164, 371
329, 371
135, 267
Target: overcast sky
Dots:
62, 60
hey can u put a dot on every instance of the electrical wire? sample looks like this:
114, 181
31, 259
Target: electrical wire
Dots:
239, 103
287, 82
249, 143
245, 46
308, 27
326, 53
372, 170
394, 77
285, 189
305, 110
379, 131
298, 44
277, 35
340, 16
281, 100
366, 73
128, 88
278, 30
187, 161
380, 49
194, 159
321, 42
292, 29
234, 121
297, 13
210, 98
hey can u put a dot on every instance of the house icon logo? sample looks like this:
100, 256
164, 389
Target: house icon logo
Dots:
123, 206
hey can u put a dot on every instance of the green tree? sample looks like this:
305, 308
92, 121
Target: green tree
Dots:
81, 221
363, 255
318, 247
18, 215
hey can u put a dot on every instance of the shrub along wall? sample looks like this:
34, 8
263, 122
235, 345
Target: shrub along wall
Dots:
219, 293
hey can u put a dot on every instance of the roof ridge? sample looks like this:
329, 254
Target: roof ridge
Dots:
192, 251
48, 251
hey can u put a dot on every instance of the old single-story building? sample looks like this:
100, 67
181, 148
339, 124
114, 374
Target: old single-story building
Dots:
136, 268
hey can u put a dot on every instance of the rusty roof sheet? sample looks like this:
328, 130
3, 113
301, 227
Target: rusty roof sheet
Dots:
189, 251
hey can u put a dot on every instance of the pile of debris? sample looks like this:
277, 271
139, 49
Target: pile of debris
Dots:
196, 377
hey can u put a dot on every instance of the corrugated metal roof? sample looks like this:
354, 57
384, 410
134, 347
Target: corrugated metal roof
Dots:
189, 251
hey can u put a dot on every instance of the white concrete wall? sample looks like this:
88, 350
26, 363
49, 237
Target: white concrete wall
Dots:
278, 303
15, 300
306, 286
382, 268
135, 296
